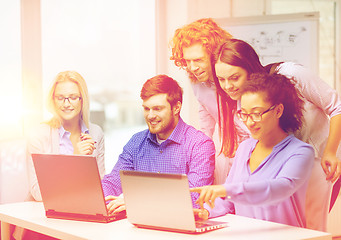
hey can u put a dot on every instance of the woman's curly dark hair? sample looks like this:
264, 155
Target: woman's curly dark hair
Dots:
279, 90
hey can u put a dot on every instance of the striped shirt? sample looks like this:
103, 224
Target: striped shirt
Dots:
186, 151
65, 144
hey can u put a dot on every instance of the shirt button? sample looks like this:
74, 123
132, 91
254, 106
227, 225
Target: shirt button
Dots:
161, 151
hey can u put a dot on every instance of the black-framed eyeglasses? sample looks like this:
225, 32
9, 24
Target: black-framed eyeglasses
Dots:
255, 117
73, 99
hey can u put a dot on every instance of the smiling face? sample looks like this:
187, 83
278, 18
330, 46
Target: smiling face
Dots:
198, 62
160, 117
231, 79
269, 125
68, 109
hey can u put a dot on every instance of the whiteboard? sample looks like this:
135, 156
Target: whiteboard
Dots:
278, 38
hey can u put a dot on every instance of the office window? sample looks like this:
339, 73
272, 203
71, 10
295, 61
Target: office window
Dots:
11, 120
326, 33
112, 45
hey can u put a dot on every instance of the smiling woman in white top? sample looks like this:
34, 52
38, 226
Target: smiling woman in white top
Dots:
271, 170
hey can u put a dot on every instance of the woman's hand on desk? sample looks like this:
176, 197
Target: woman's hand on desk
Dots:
115, 205
201, 214
208, 194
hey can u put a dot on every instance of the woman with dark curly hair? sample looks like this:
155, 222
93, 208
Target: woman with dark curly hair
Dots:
271, 170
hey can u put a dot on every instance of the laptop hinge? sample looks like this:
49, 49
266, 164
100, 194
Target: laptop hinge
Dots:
50, 211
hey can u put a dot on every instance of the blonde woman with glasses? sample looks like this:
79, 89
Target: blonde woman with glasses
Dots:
69, 130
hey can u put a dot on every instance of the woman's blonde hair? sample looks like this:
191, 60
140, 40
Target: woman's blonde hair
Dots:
75, 77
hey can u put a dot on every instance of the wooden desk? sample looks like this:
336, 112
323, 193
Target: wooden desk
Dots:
31, 215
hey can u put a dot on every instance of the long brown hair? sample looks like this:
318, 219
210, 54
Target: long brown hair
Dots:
238, 53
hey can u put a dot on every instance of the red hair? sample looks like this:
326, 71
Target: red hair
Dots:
162, 84
204, 31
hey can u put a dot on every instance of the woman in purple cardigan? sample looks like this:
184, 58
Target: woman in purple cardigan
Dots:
271, 170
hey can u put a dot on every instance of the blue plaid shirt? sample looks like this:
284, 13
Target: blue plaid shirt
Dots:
186, 151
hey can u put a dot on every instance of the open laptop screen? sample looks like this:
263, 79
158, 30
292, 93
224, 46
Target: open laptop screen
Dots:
70, 186
159, 201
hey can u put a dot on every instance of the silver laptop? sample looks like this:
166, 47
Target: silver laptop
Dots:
70, 187
162, 201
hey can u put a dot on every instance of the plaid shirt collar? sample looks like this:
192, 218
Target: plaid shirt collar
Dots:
175, 136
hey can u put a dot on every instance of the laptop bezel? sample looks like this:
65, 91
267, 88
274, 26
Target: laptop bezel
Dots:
180, 177
51, 211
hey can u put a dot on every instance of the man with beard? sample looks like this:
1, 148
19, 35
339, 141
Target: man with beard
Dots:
169, 145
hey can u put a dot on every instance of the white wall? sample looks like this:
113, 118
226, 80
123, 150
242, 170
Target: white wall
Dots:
338, 48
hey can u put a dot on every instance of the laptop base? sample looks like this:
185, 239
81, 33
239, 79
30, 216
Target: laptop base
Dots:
206, 226
85, 217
